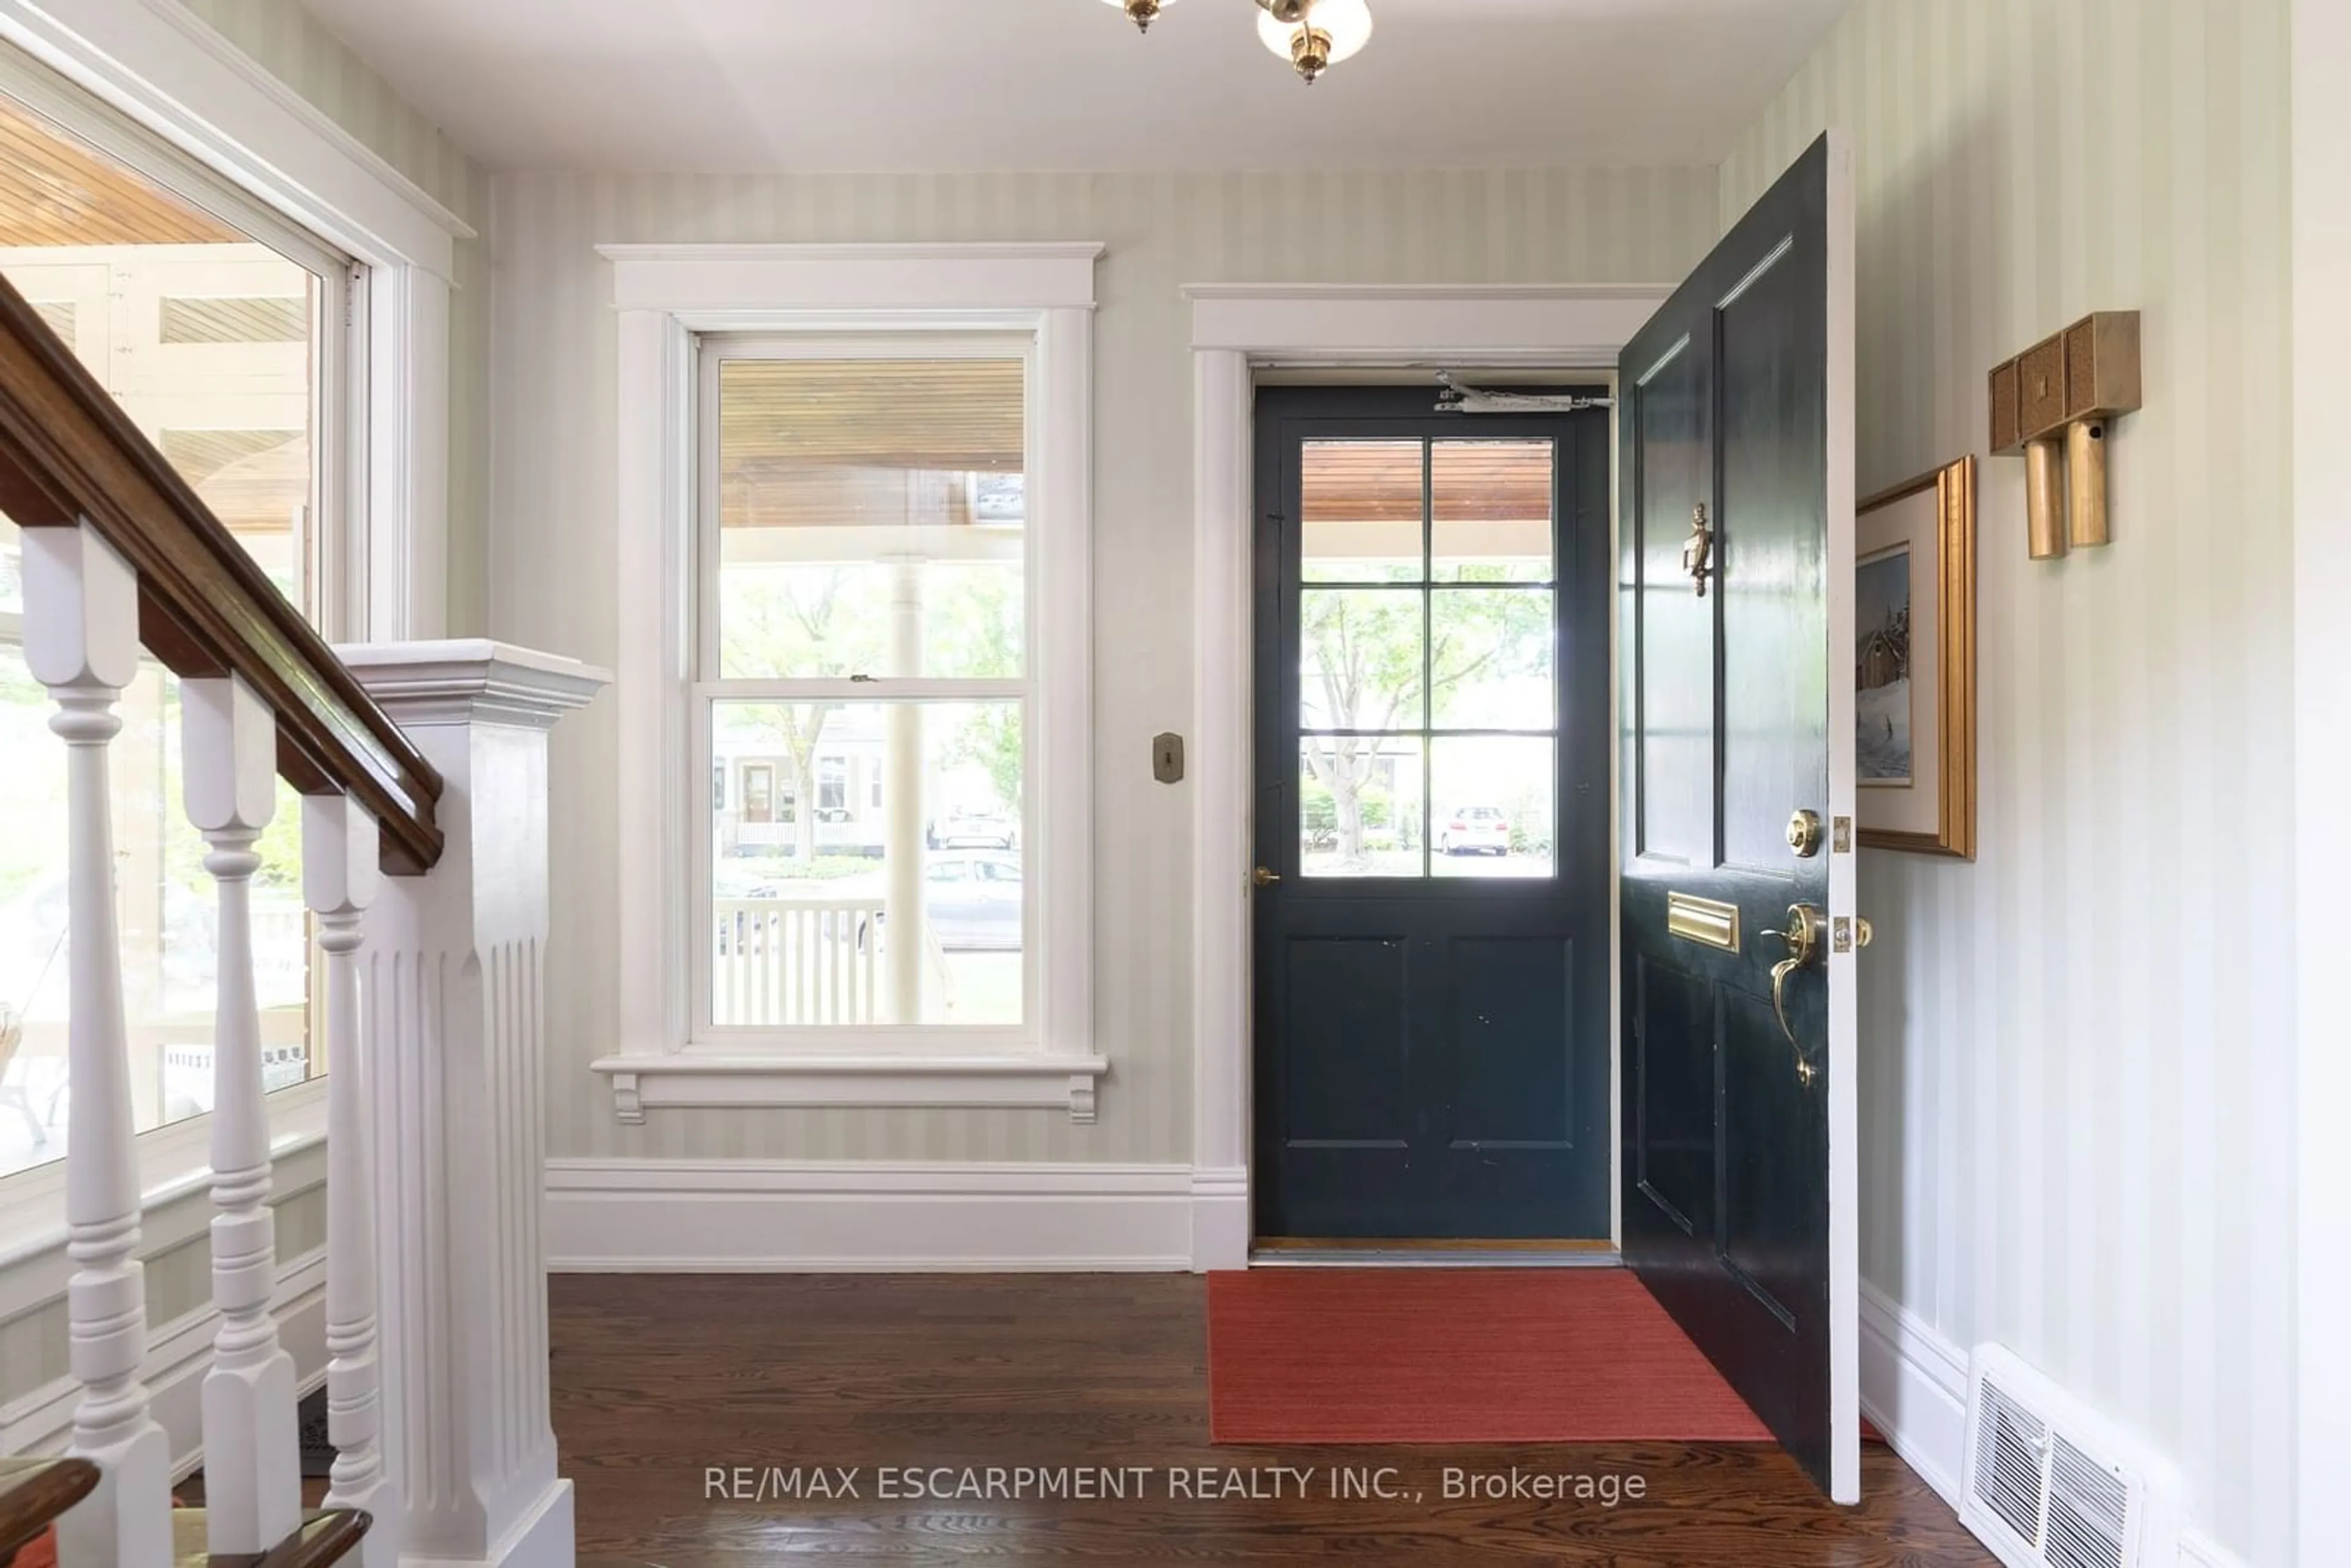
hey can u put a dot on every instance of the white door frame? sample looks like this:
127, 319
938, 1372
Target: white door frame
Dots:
1237, 331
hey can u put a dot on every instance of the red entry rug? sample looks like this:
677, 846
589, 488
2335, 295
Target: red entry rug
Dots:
1457, 1355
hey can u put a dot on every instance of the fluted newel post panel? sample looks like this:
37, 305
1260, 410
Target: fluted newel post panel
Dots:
81, 642
339, 880
253, 1463
453, 986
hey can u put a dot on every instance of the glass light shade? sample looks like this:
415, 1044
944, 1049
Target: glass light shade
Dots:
1122, 4
1349, 23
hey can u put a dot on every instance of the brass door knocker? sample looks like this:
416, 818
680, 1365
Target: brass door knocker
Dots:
1697, 554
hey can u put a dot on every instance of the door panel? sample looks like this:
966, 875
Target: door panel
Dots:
1739, 1112
1507, 991
1664, 426
1350, 1061
1431, 1040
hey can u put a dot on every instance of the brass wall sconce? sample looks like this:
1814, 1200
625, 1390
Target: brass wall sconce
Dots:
2066, 388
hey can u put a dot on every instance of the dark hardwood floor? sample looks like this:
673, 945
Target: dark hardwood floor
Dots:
673, 1391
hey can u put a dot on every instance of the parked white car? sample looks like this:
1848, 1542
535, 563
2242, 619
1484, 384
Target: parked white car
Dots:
1474, 829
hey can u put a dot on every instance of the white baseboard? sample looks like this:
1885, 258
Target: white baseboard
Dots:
1914, 1389
179, 1354
775, 1217
1220, 1219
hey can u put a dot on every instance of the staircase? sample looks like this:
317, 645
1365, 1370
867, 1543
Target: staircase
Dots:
422, 772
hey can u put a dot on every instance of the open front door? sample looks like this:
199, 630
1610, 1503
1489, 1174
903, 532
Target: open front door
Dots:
1736, 416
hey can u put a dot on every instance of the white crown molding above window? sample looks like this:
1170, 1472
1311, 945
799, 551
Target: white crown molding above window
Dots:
664, 295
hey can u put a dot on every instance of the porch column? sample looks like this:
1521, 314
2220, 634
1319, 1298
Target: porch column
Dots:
452, 987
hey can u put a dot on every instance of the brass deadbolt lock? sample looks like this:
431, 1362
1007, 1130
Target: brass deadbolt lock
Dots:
1804, 834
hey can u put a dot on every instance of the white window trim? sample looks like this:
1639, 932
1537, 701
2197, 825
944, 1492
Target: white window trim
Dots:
663, 297
169, 73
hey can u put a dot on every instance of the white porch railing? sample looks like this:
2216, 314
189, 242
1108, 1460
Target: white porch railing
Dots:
795, 960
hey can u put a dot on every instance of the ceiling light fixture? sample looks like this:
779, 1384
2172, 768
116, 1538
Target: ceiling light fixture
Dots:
1312, 35
1142, 13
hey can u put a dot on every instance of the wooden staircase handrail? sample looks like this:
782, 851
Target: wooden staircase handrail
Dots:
69, 453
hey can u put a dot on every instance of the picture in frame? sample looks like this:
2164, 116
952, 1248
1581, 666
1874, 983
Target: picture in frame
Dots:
1915, 663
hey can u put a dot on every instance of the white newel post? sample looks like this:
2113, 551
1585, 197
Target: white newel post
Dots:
253, 1463
341, 877
81, 642
453, 986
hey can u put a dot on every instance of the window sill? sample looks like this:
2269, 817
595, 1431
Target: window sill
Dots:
956, 1080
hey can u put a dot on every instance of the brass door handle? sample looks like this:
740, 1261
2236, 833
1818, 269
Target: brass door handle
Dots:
1807, 928
1265, 878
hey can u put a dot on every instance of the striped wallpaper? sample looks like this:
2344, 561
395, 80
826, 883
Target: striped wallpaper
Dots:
293, 46
552, 573
2078, 1052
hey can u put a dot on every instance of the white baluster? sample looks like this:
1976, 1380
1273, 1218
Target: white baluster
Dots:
340, 875
81, 642
253, 1460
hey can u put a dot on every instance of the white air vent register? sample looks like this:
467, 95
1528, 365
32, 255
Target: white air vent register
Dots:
2051, 1484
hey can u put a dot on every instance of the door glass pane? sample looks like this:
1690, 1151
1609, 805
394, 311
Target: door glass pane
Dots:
1492, 799
910, 821
1490, 657
1360, 502
1359, 806
872, 514
210, 341
1491, 512
1359, 663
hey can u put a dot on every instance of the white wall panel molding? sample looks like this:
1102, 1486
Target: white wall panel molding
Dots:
775, 1217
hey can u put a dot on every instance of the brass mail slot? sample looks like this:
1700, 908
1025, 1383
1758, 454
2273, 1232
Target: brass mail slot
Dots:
1703, 920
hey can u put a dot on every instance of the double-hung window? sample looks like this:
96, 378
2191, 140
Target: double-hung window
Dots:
855, 677
861, 644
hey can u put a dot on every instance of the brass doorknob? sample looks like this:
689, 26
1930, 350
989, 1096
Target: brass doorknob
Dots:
1805, 930
1265, 878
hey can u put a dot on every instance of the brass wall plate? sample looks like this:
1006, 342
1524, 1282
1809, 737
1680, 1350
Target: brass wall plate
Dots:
1705, 921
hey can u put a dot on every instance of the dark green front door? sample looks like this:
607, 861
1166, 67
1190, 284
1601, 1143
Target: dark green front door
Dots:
1739, 1186
1432, 816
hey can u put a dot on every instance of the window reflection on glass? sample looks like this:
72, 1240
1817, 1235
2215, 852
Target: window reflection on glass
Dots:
1490, 517
917, 829
871, 514
1360, 502
211, 344
1491, 805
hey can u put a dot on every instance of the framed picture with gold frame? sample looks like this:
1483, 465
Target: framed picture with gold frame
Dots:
1915, 663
